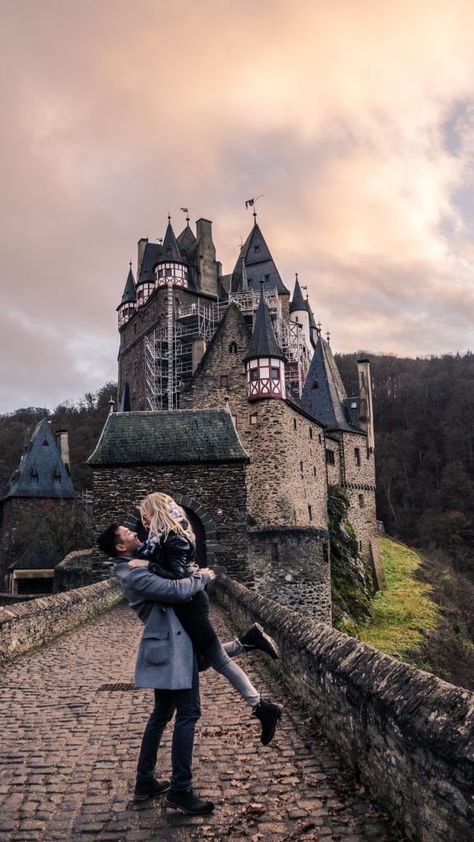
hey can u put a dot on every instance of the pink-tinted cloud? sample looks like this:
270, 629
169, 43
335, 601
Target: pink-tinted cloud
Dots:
353, 119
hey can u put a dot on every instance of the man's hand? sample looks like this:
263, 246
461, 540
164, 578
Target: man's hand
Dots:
206, 571
138, 562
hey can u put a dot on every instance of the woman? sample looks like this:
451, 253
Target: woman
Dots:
169, 552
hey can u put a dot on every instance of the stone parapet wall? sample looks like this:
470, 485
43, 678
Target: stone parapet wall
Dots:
292, 566
408, 735
31, 624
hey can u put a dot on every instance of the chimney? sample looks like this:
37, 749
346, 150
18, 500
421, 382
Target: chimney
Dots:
199, 349
62, 440
366, 412
142, 243
208, 268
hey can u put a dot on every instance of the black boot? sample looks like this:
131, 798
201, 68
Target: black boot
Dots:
269, 715
187, 801
256, 638
150, 790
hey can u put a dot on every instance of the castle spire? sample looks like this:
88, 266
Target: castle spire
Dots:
170, 248
264, 361
128, 304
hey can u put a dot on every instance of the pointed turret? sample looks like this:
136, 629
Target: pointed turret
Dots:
259, 265
41, 472
324, 395
128, 304
264, 361
171, 267
299, 313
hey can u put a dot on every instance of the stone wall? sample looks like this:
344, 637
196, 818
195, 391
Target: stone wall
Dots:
292, 566
214, 492
359, 484
407, 734
19, 517
287, 473
31, 624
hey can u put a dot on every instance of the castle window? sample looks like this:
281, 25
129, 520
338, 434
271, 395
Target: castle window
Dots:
314, 472
360, 546
301, 468
267, 277
253, 419
330, 460
310, 512
275, 555
275, 372
311, 432
224, 381
320, 438
233, 348
357, 455
368, 452
294, 423
361, 501
253, 374
256, 247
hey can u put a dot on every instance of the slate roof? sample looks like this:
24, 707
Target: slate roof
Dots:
263, 342
129, 292
298, 302
151, 256
259, 265
187, 243
41, 472
170, 249
168, 437
323, 394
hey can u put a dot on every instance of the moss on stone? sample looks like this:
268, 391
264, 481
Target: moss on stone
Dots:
351, 579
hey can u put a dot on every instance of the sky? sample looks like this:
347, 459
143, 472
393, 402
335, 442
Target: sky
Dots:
353, 118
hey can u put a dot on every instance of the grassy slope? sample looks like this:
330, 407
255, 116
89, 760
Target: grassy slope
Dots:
404, 611
406, 622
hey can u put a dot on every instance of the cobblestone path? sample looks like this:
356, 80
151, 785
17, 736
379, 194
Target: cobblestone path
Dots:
68, 753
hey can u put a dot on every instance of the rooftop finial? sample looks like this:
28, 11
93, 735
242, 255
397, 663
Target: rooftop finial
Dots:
296, 277
169, 217
328, 336
130, 264
186, 211
112, 405
318, 327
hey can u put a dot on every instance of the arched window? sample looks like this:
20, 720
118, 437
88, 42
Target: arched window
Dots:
233, 348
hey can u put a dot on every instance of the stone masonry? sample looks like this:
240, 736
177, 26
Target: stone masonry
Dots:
69, 753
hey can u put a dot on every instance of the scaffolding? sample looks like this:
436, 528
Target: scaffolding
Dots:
168, 348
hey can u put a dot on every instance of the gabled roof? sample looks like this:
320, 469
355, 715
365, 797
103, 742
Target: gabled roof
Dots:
323, 394
168, 437
170, 249
259, 265
151, 256
129, 292
263, 342
298, 302
41, 472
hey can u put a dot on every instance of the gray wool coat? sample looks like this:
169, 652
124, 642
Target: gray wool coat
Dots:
165, 653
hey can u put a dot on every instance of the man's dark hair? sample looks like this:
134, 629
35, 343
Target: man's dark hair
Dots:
109, 539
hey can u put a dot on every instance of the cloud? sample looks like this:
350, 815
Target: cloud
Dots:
353, 119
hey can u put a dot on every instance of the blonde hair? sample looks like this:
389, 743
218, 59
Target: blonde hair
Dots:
164, 515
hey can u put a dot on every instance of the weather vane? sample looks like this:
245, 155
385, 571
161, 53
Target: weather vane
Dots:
251, 203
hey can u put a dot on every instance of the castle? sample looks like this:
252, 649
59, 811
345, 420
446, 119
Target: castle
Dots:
229, 398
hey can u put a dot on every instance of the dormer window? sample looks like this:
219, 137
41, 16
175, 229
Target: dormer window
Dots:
34, 474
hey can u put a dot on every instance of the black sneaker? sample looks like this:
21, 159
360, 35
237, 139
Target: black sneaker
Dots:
269, 715
256, 638
188, 802
150, 790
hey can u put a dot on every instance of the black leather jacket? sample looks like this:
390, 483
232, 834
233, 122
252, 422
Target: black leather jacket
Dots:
173, 557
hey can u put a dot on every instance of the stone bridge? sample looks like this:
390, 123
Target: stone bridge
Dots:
368, 749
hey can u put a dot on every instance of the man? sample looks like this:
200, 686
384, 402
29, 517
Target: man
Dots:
166, 663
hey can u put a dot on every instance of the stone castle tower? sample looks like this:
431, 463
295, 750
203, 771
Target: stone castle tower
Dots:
194, 341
